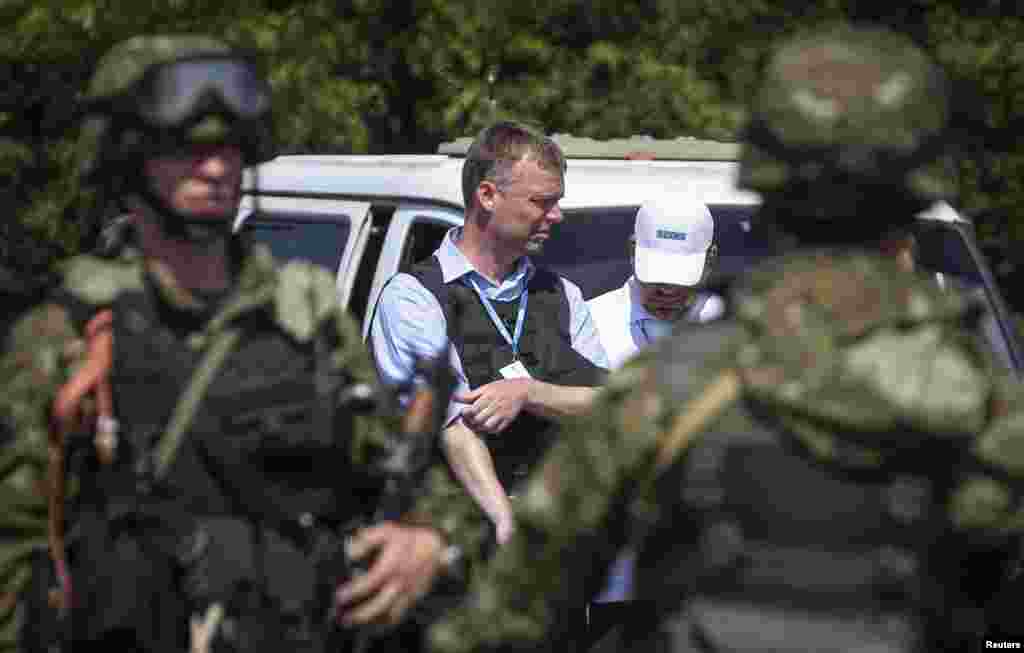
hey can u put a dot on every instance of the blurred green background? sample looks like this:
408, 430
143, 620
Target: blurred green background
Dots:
373, 76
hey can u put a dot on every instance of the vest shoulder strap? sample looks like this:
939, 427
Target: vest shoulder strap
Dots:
544, 278
428, 272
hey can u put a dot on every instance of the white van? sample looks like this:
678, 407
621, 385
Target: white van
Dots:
368, 217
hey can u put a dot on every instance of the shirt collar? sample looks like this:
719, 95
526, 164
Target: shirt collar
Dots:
637, 312
455, 265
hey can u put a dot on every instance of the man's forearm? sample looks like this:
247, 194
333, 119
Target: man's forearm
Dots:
556, 401
472, 464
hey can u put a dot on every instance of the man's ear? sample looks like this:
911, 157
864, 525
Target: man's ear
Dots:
485, 195
712, 253
710, 262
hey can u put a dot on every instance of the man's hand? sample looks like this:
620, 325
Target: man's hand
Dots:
493, 406
406, 560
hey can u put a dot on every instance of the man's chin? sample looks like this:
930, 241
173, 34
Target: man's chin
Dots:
212, 212
534, 247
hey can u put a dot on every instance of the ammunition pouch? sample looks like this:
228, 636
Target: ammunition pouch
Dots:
261, 583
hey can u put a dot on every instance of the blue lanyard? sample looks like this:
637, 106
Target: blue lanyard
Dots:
491, 313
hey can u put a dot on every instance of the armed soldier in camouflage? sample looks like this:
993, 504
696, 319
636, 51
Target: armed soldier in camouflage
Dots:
223, 396
814, 472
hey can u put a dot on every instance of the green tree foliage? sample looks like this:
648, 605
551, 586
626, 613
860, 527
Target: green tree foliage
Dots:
402, 75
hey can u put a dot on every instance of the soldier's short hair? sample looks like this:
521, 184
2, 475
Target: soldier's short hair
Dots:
498, 148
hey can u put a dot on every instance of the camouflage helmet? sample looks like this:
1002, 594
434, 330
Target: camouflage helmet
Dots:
850, 104
113, 131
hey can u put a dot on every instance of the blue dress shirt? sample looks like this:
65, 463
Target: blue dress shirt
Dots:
409, 321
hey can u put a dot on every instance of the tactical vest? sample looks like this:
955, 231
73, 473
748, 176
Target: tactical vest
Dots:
267, 454
763, 548
545, 349
263, 411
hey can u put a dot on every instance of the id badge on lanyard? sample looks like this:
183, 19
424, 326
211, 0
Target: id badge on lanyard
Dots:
515, 369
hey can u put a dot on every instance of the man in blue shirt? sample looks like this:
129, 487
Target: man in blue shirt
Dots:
524, 346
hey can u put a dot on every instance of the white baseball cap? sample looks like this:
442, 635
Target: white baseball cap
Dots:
673, 235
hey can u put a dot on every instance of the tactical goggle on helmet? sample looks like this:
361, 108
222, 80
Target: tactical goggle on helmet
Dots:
173, 94
208, 98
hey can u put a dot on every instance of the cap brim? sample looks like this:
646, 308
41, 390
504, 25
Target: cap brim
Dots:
654, 266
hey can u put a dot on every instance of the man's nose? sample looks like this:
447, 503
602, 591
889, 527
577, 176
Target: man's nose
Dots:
555, 214
668, 290
219, 162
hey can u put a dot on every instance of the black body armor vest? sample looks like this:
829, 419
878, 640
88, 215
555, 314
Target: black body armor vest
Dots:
761, 547
262, 413
545, 349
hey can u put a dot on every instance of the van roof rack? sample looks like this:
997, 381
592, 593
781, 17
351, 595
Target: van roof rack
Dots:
683, 148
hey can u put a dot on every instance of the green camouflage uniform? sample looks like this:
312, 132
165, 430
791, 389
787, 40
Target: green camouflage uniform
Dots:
834, 360
804, 344
45, 348
296, 303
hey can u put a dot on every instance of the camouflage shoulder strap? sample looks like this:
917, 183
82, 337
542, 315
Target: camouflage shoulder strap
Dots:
718, 395
698, 369
217, 350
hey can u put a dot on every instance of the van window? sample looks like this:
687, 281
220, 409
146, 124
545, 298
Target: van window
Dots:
590, 248
425, 236
298, 237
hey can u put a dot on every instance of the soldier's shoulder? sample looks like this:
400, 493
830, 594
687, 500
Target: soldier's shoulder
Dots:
855, 292
1001, 445
986, 498
98, 281
303, 295
851, 344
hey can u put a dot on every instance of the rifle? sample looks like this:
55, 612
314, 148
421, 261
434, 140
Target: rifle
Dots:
403, 471
404, 468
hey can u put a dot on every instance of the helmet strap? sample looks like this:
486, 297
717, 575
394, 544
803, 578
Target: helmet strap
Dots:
178, 224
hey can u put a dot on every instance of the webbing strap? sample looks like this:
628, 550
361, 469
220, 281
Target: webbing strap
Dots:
216, 352
715, 398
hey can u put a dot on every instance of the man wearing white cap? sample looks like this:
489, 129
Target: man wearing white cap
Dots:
673, 248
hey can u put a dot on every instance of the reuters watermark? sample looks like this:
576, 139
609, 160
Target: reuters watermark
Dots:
1001, 644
